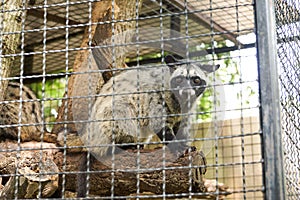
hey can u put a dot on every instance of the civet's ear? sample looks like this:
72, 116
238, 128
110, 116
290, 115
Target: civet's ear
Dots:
209, 68
170, 61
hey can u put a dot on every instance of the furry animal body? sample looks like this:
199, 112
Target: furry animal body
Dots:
138, 103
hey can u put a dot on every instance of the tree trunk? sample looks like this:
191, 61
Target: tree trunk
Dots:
86, 83
10, 22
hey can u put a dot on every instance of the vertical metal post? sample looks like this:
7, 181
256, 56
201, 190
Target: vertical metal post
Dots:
269, 99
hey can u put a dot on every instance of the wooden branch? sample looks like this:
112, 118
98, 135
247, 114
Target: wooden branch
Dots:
10, 38
81, 61
36, 170
178, 173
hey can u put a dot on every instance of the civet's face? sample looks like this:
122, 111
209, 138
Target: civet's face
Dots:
188, 80
187, 87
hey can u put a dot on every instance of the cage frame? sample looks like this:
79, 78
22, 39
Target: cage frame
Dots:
272, 150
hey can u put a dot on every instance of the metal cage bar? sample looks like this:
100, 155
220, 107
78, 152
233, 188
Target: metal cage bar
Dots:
269, 99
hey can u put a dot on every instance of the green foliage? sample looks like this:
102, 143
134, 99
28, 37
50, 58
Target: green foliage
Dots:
145, 57
227, 74
51, 96
205, 105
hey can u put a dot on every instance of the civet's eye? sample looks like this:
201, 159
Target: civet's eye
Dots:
197, 80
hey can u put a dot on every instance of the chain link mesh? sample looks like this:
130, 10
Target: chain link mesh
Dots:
288, 42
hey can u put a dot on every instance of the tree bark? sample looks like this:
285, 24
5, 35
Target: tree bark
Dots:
37, 172
10, 27
40, 163
86, 83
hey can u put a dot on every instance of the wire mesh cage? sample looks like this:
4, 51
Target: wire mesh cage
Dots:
287, 26
146, 99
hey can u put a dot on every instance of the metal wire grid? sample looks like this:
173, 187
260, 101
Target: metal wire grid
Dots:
288, 36
78, 20
237, 155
